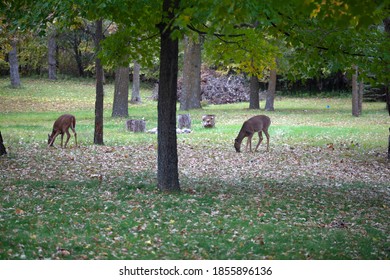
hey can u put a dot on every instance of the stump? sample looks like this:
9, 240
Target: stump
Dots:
184, 121
208, 121
2, 148
136, 125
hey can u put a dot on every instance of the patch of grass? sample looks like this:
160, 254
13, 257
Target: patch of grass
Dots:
91, 221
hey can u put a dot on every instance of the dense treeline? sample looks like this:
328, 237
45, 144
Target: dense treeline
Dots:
74, 55
75, 58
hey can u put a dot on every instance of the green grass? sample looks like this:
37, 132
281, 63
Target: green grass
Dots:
321, 193
92, 222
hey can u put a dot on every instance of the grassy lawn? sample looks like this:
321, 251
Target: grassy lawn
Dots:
322, 192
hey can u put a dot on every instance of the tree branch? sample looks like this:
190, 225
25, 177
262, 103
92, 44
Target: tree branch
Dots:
219, 35
312, 45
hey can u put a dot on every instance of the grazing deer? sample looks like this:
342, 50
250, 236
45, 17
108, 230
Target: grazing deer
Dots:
255, 124
61, 126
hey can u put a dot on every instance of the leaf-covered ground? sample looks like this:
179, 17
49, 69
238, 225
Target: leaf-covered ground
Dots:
100, 202
322, 192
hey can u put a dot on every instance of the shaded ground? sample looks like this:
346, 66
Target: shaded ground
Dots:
100, 202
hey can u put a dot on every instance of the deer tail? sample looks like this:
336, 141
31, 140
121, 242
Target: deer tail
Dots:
74, 122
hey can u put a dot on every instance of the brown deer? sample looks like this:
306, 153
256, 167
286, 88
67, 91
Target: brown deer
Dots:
258, 124
61, 126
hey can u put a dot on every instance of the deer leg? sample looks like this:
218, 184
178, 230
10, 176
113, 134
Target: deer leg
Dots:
267, 135
62, 139
67, 137
74, 134
249, 143
52, 140
260, 140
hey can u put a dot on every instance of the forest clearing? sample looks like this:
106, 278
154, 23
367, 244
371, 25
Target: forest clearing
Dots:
321, 192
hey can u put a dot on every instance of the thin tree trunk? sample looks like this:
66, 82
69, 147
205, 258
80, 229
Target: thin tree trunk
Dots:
135, 94
190, 97
78, 55
98, 135
167, 161
269, 103
355, 94
3, 151
14, 65
120, 107
254, 86
388, 147
360, 97
52, 51
386, 23
388, 99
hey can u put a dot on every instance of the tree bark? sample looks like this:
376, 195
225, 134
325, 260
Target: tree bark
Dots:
184, 121
120, 107
254, 101
355, 94
190, 97
386, 23
98, 135
388, 147
269, 103
52, 60
388, 99
360, 97
2, 147
136, 125
77, 54
135, 94
14, 65
167, 159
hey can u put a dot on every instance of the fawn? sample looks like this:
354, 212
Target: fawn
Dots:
61, 126
258, 124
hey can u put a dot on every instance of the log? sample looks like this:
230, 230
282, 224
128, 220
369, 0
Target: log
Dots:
2, 148
208, 121
136, 125
184, 121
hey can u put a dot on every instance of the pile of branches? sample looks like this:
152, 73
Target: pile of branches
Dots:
222, 89
217, 88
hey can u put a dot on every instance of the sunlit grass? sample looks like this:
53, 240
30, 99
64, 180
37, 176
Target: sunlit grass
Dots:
296, 121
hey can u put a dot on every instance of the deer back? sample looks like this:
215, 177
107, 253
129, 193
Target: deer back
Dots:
257, 123
63, 123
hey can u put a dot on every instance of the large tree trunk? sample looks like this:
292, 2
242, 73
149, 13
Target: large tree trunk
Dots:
167, 162
254, 101
52, 51
269, 103
120, 107
14, 65
135, 94
98, 135
190, 97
